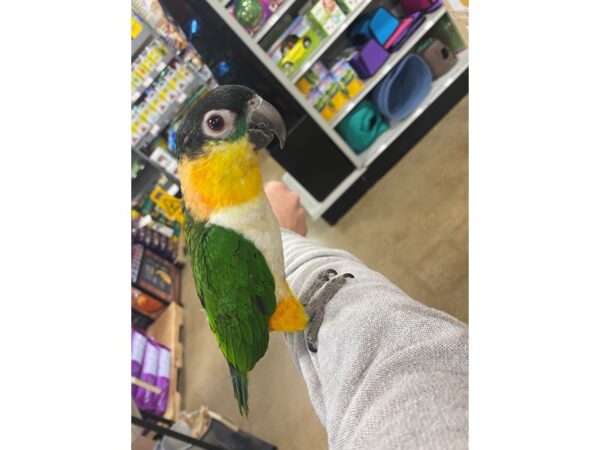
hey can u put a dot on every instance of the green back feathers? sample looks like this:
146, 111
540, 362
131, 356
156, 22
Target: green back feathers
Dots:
236, 288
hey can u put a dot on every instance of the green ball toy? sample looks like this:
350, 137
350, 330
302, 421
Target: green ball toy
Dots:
249, 13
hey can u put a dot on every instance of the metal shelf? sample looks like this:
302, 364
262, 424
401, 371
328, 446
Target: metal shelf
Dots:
271, 21
137, 92
141, 39
144, 180
169, 113
326, 43
286, 82
394, 59
397, 128
141, 155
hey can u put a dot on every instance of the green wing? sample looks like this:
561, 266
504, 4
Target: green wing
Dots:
236, 289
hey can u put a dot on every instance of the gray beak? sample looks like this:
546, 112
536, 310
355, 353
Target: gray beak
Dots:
264, 123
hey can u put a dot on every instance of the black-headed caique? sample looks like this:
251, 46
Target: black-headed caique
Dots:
233, 238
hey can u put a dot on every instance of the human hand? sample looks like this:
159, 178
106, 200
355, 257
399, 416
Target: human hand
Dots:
286, 206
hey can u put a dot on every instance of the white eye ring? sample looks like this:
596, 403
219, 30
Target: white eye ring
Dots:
218, 123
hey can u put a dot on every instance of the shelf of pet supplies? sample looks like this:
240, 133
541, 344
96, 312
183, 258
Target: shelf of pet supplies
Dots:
393, 60
140, 154
313, 207
137, 92
144, 181
143, 37
170, 113
326, 43
271, 21
397, 128
262, 56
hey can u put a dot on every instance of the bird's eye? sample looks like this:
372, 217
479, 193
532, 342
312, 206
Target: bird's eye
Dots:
215, 123
218, 123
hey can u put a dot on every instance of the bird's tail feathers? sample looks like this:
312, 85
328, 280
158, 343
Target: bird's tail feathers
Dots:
240, 389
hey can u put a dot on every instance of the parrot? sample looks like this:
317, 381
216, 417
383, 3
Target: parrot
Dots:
232, 236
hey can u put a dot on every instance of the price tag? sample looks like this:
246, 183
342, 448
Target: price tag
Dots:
161, 66
147, 81
182, 97
155, 129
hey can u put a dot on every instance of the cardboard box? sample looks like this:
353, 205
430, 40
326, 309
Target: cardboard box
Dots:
143, 443
326, 16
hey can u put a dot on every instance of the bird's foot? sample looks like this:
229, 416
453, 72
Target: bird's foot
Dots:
316, 297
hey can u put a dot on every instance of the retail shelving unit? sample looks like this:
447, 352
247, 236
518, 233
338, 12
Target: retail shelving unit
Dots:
200, 80
271, 21
363, 161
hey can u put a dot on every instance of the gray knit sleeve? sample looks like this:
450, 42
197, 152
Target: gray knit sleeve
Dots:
390, 373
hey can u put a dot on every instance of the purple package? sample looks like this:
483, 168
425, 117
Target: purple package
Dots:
138, 344
369, 59
145, 399
163, 377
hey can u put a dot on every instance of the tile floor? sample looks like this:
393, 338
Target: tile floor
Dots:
412, 226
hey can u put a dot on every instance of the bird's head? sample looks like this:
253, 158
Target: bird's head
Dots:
224, 116
218, 140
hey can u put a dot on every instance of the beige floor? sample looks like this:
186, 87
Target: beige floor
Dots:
412, 226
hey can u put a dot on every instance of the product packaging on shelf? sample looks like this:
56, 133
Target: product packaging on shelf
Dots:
146, 304
296, 43
312, 77
332, 92
163, 157
326, 15
144, 398
138, 344
319, 101
349, 5
347, 78
162, 379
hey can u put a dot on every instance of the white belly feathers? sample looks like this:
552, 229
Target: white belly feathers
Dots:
257, 223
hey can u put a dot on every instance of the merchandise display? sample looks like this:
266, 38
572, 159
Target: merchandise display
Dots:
144, 397
406, 28
158, 277
153, 14
296, 43
404, 88
326, 16
166, 331
146, 304
151, 373
138, 346
362, 126
411, 6
369, 59
168, 89
438, 57
249, 13
328, 90
253, 15
444, 31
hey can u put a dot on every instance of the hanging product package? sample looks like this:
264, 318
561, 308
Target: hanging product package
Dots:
404, 88
163, 379
362, 126
145, 398
138, 344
